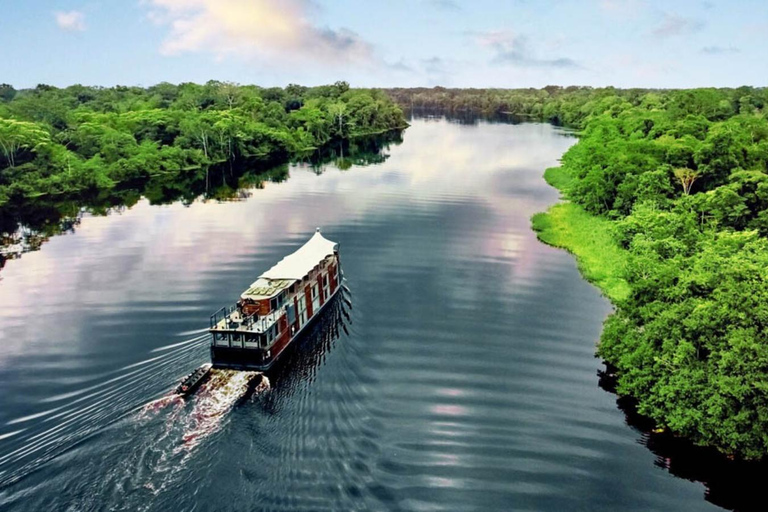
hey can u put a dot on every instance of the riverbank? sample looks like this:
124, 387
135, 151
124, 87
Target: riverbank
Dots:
666, 213
589, 238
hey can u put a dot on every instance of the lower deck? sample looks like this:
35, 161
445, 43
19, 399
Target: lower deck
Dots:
246, 357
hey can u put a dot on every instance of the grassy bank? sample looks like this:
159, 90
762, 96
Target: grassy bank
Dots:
588, 237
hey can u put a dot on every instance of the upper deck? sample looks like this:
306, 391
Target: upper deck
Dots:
231, 319
264, 288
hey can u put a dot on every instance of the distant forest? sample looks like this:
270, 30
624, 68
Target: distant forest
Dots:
572, 106
65, 142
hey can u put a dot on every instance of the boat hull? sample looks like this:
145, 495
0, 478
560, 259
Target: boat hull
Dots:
235, 358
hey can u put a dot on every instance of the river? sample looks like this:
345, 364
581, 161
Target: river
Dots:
460, 376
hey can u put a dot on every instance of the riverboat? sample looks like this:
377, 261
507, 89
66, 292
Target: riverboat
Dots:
276, 308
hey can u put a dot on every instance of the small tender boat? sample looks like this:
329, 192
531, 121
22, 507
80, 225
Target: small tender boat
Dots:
276, 308
194, 379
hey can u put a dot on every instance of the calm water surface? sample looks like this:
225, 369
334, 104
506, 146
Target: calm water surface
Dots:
462, 376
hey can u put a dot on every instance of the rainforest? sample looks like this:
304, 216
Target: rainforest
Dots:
666, 205
69, 142
681, 176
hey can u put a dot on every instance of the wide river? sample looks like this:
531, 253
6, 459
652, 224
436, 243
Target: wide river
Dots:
460, 376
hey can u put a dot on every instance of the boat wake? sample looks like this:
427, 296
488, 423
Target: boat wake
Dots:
65, 419
180, 424
213, 400
155, 406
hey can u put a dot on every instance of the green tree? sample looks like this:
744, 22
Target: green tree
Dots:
17, 136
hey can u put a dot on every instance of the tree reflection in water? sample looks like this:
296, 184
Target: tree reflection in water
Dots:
26, 227
731, 484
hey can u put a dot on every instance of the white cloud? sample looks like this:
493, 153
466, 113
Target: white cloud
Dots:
515, 49
675, 25
446, 5
73, 21
270, 29
719, 50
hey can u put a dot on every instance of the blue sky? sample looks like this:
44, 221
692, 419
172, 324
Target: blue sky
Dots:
455, 43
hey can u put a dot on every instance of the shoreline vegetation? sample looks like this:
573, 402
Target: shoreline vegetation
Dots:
667, 213
566, 225
65, 143
64, 151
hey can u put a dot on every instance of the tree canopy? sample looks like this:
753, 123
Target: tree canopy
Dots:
683, 178
65, 142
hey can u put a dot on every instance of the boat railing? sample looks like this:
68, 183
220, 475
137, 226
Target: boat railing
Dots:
231, 318
221, 314
248, 321
261, 324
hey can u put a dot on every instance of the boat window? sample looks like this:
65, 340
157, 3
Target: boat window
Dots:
220, 336
302, 304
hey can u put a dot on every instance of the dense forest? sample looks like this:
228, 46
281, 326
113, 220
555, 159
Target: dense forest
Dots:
669, 215
68, 142
682, 177
567, 106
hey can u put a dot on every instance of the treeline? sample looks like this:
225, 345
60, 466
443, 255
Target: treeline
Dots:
569, 106
682, 176
64, 142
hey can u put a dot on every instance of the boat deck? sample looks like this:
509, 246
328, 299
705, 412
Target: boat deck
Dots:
232, 320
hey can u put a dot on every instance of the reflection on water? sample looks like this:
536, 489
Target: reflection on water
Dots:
731, 484
25, 227
464, 117
460, 377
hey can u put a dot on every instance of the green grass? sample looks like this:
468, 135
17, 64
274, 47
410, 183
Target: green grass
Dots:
558, 177
588, 237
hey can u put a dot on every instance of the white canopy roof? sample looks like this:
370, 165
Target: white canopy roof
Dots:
301, 262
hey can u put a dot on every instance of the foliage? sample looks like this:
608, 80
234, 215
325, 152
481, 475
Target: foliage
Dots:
75, 140
682, 189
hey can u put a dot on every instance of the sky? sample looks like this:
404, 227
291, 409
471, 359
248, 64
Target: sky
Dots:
386, 43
